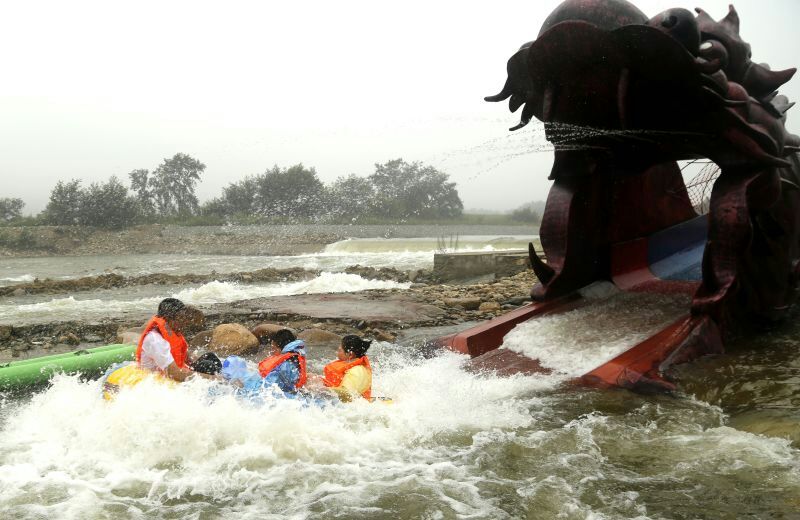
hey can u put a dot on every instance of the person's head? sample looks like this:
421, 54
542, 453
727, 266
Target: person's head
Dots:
174, 313
282, 338
352, 347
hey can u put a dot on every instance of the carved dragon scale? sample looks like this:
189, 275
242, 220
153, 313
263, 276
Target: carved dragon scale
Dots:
623, 98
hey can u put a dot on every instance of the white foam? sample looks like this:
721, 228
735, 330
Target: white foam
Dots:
153, 444
575, 342
71, 308
25, 278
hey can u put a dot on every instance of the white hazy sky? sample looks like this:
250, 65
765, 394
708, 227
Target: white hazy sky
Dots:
92, 89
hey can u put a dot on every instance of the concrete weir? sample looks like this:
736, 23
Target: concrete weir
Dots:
479, 266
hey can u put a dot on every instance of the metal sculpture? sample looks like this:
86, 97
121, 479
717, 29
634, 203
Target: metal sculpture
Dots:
623, 98
652, 92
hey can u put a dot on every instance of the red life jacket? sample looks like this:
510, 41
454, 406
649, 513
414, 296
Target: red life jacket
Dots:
272, 362
177, 343
334, 373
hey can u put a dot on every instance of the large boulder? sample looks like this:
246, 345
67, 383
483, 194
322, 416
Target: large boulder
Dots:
265, 331
129, 335
201, 341
489, 307
319, 337
195, 320
469, 304
231, 339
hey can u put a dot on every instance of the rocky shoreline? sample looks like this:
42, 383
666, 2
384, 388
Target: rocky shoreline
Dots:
423, 305
116, 281
161, 239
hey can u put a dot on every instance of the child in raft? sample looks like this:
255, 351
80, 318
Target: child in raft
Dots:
350, 375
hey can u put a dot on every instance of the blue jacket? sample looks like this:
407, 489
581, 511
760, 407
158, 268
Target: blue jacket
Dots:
287, 373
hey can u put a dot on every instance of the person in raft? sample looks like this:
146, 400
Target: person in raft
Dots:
162, 346
286, 365
350, 375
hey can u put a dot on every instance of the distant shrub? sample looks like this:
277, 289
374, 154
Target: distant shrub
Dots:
21, 239
526, 214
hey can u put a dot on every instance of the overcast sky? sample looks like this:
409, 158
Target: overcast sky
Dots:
94, 89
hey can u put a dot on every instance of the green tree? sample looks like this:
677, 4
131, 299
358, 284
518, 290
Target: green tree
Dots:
108, 205
10, 209
289, 192
169, 190
351, 197
141, 185
527, 213
173, 185
414, 190
241, 198
64, 206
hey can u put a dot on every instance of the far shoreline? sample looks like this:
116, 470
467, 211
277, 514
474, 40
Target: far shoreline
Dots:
225, 240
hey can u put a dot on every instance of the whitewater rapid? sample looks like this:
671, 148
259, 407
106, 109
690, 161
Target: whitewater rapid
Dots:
122, 302
452, 445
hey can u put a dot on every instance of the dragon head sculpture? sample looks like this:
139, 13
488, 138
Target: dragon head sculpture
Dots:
623, 98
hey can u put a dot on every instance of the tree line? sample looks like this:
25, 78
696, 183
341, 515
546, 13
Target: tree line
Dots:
396, 190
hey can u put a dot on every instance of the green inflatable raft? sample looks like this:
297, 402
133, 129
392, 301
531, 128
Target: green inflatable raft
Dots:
18, 375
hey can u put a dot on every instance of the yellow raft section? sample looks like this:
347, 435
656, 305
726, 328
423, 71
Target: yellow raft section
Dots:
129, 376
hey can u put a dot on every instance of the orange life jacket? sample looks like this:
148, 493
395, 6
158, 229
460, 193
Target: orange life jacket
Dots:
272, 362
177, 343
334, 373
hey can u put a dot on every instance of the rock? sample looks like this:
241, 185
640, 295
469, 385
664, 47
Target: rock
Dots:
381, 335
489, 307
469, 304
71, 339
231, 339
201, 340
319, 337
265, 331
195, 320
129, 336
5, 332
93, 338
19, 292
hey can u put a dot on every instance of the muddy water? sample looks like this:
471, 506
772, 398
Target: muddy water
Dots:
452, 445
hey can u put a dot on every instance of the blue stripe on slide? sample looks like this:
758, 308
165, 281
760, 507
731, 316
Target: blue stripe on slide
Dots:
676, 253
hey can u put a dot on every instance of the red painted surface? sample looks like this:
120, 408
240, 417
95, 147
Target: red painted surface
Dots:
489, 335
622, 100
641, 367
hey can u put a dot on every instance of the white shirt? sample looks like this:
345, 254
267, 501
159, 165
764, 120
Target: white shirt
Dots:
156, 354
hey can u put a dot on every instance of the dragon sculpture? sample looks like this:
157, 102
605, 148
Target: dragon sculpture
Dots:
623, 98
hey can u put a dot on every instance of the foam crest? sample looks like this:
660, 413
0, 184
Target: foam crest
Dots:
70, 308
17, 279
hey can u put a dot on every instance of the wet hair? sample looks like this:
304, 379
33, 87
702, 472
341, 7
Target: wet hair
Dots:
283, 337
208, 363
170, 308
353, 344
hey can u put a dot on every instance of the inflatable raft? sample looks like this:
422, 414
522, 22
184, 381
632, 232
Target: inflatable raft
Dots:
36, 371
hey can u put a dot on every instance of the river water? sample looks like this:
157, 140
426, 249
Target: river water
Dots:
451, 445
